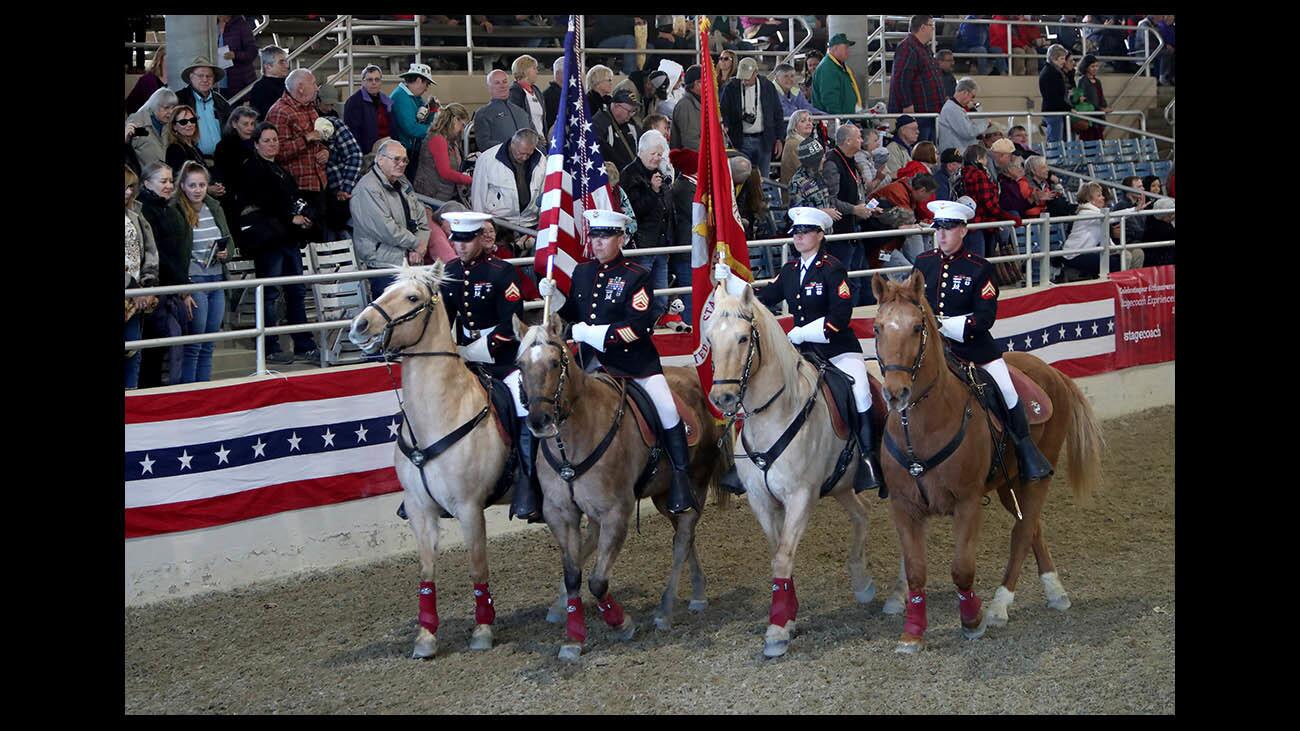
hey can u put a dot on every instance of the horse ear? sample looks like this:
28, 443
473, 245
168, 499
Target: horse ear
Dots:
747, 297
916, 284
878, 287
520, 328
439, 268
555, 327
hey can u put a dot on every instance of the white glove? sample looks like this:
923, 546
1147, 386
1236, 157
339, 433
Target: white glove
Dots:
735, 285
954, 328
814, 332
721, 272
545, 287
796, 335
476, 352
484, 332
593, 335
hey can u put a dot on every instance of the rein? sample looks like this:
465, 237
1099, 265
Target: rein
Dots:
564, 466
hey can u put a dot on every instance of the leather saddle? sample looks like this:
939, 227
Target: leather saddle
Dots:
647, 416
502, 405
837, 388
1038, 407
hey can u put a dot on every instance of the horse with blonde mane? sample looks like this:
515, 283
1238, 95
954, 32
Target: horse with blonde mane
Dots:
447, 408
754, 362
952, 468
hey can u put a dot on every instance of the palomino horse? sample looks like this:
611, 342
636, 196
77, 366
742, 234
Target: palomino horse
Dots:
755, 364
583, 421
444, 401
929, 408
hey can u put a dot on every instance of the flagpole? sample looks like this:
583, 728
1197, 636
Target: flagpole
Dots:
546, 307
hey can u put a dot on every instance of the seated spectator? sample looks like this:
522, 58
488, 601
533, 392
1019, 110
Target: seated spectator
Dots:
682, 194
369, 112
624, 205
1000, 155
185, 140
924, 158
647, 188
268, 89
276, 218
1088, 234
234, 149
974, 38
412, 114
525, 94
902, 205
439, 176
615, 131
660, 124
152, 80
668, 34
201, 78
1159, 227
956, 127
1019, 136
508, 180
344, 165
551, 97
1133, 225
616, 31
946, 63
170, 235
750, 200
949, 170
389, 225
979, 186
686, 113
1046, 187
440, 246
496, 121
872, 159
906, 133
155, 119
1151, 184
599, 86
141, 271
1027, 41
1010, 194
787, 90
655, 92
991, 135
209, 248
235, 33
799, 128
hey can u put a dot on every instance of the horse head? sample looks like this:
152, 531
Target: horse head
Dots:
732, 332
904, 329
544, 362
403, 314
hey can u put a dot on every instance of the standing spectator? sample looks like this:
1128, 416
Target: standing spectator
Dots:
946, 62
682, 195
1159, 227
616, 31
974, 38
906, 134
201, 94
234, 149
389, 225
787, 89
808, 185
676, 87
152, 80
508, 180
411, 113
185, 138
440, 177
654, 90
1019, 136
1027, 42
616, 191
496, 121
615, 131
845, 184
799, 128
648, 188
599, 86
141, 271
916, 85
979, 186
1134, 226
344, 165
301, 150
525, 94
551, 97
949, 170
1089, 92
686, 113
834, 87
269, 88
155, 118
956, 127
660, 123
1165, 61
170, 236
751, 114
369, 111
1054, 89
1089, 234
235, 33
725, 68
209, 249
276, 219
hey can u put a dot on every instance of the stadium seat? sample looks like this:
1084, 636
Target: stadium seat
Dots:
1142, 168
1161, 169
1112, 151
1129, 151
1148, 149
337, 300
1124, 169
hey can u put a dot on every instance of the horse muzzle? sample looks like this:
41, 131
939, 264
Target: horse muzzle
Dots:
542, 425
726, 399
361, 336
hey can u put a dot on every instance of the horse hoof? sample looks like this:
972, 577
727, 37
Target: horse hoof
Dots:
663, 623
909, 645
570, 652
1059, 603
1056, 597
894, 605
556, 615
775, 648
426, 645
481, 639
995, 616
792, 628
974, 633
866, 595
698, 605
625, 631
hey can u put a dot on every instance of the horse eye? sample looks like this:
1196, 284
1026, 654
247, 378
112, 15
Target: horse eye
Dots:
555, 363
412, 298
919, 327
743, 339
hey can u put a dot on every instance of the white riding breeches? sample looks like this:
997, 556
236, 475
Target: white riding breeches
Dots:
657, 387
856, 367
512, 381
998, 369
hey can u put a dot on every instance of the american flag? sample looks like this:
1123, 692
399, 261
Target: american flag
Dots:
575, 174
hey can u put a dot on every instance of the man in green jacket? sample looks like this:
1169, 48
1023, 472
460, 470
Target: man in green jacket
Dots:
835, 89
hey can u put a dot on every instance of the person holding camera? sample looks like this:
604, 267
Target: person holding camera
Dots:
752, 116
209, 249
276, 219
956, 127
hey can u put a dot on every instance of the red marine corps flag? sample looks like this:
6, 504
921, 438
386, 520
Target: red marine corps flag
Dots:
716, 232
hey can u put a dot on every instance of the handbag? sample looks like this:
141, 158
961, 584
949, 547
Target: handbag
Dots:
261, 232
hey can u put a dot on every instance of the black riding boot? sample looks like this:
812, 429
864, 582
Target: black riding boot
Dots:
868, 474
731, 481
1033, 465
527, 501
680, 498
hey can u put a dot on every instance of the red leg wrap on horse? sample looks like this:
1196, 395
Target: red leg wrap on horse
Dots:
969, 604
429, 606
611, 610
915, 622
782, 605
576, 623
484, 612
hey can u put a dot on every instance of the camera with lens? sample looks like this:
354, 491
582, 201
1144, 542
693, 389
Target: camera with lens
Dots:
749, 117
299, 205
140, 132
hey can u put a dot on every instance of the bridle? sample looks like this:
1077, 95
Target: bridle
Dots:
557, 400
916, 364
755, 347
392, 322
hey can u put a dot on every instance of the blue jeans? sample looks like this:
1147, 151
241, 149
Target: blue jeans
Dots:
680, 267
658, 266
925, 127
285, 261
760, 155
209, 311
852, 255
981, 64
624, 41
132, 376
163, 322
976, 242
1055, 128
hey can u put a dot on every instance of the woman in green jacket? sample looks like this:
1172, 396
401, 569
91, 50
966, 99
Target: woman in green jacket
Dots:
209, 247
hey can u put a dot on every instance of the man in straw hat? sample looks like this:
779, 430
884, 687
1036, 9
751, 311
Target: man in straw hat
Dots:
201, 79
412, 115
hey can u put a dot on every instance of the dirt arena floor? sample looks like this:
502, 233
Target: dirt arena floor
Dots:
340, 641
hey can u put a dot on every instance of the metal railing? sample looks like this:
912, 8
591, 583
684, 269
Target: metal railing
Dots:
261, 331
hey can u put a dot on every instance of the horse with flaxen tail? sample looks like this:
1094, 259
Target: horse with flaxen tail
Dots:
935, 417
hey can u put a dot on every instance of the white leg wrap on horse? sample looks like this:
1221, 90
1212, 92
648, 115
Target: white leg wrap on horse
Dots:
998, 369
657, 387
855, 366
512, 381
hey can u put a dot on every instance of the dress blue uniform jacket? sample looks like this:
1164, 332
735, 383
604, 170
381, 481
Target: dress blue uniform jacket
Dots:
823, 293
618, 294
962, 284
488, 294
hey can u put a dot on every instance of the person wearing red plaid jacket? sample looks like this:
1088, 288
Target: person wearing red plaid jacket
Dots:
302, 152
981, 188
916, 85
